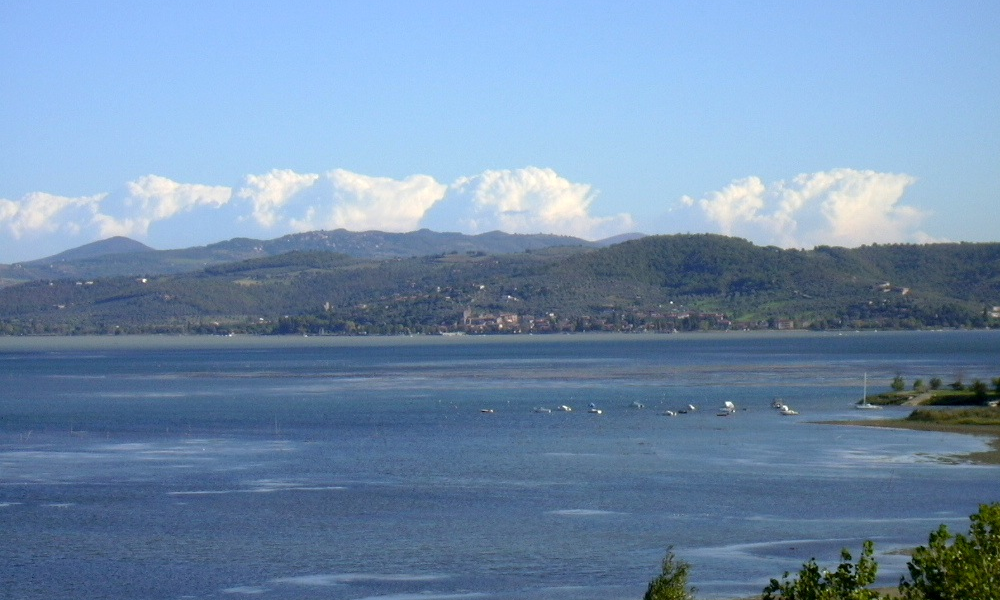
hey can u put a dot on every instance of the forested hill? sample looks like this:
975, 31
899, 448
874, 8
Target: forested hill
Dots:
657, 283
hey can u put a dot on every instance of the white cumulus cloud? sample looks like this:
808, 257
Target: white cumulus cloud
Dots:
362, 202
151, 199
285, 200
528, 200
39, 213
268, 193
841, 207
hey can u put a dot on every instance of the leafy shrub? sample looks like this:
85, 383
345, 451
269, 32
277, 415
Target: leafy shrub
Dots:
672, 582
966, 568
949, 567
848, 582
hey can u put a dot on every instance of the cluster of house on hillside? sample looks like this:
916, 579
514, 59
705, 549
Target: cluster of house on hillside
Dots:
611, 321
887, 287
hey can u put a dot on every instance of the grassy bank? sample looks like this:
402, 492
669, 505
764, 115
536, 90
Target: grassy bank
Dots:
966, 397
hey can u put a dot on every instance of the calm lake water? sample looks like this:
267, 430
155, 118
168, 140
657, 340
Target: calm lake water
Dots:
308, 468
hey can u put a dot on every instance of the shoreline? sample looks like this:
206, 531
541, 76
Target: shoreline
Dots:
176, 340
986, 457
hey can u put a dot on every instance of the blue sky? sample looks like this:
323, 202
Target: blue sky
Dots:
789, 123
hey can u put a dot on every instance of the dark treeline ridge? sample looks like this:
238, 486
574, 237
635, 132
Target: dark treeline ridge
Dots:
656, 283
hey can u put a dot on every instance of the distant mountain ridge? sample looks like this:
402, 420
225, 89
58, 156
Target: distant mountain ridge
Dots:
112, 245
121, 256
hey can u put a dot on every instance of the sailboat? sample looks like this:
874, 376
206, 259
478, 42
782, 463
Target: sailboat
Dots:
864, 404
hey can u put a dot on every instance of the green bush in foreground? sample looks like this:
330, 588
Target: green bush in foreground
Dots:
950, 567
968, 567
848, 582
672, 582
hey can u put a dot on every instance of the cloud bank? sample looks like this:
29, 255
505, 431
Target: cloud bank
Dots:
839, 207
293, 202
842, 207
529, 200
170, 214
40, 214
152, 199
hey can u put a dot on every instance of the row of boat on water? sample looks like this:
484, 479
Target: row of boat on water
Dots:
727, 409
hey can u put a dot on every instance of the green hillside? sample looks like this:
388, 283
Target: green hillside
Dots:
657, 283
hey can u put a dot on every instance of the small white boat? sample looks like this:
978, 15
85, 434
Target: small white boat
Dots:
594, 410
542, 409
727, 409
864, 404
488, 411
669, 413
784, 410
564, 408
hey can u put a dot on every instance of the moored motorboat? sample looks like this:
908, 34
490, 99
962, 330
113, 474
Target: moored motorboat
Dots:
783, 409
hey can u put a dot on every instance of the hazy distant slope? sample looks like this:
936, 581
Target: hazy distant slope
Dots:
97, 259
112, 245
122, 256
